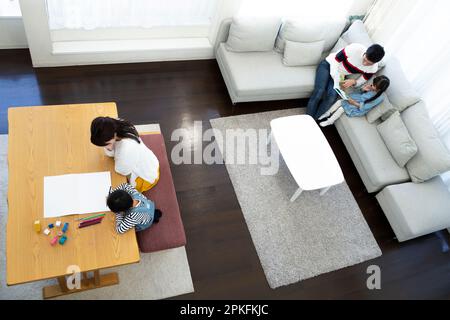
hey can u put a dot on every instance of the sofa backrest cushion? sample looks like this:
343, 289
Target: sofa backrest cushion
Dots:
357, 33
433, 157
383, 111
310, 30
400, 92
397, 139
340, 44
297, 54
251, 34
223, 32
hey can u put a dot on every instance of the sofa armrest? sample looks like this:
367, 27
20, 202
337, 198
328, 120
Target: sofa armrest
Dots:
414, 210
222, 33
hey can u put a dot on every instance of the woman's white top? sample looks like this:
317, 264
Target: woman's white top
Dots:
134, 159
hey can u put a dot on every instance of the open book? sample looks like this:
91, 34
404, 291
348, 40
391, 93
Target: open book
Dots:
341, 93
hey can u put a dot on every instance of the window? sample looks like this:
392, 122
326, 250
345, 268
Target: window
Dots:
294, 8
88, 14
10, 8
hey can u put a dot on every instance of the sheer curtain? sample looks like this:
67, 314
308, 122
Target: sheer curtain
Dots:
92, 14
416, 32
292, 8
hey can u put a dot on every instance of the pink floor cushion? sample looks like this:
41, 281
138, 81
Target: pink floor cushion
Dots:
169, 232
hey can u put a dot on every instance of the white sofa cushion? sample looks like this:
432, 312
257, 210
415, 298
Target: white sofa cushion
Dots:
357, 33
379, 166
400, 92
340, 44
310, 30
249, 34
297, 54
262, 74
433, 158
383, 111
397, 139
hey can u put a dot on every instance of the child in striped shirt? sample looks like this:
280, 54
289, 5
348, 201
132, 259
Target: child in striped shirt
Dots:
132, 209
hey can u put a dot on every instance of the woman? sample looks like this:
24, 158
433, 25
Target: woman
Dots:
133, 159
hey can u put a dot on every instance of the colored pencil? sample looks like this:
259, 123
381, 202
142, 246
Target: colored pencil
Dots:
90, 222
92, 217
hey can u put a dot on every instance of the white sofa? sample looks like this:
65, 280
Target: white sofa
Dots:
262, 76
413, 209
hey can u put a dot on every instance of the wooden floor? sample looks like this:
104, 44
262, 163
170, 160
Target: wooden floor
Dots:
223, 260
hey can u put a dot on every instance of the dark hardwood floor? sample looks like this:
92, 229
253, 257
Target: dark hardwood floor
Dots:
223, 260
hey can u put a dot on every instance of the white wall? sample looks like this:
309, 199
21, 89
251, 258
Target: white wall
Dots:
12, 33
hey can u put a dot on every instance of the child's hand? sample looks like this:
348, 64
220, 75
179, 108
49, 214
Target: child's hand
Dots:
353, 102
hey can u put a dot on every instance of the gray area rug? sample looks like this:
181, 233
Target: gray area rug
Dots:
159, 275
300, 240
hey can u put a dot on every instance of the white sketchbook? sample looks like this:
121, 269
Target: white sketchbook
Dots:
76, 194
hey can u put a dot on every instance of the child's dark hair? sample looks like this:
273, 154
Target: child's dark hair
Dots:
375, 53
119, 201
104, 128
381, 83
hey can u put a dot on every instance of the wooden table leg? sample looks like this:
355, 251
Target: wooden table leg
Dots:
62, 282
97, 277
98, 281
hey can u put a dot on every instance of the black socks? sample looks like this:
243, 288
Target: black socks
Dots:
158, 215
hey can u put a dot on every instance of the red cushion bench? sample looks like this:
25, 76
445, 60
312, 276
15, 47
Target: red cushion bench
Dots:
169, 232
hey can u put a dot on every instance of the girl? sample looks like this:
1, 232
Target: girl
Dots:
359, 104
133, 159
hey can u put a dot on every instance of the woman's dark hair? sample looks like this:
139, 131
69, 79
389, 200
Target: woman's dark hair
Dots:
104, 128
381, 83
119, 201
375, 53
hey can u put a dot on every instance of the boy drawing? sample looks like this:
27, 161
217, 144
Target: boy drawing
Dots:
132, 209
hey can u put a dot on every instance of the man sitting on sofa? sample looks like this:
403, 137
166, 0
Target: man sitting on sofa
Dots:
331, 73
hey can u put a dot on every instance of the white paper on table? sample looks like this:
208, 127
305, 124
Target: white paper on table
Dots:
76, 194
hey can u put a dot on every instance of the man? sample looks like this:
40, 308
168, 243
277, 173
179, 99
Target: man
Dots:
331, 73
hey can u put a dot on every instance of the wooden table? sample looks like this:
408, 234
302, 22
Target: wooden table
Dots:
48, 141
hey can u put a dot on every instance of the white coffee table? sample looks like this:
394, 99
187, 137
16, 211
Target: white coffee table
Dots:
307, 154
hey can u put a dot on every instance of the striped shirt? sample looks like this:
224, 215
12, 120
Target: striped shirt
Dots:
349, 61
140, 215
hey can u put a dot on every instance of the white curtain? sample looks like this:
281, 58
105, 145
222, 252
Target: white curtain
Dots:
304, 8
92, 14
10, 8
416, 32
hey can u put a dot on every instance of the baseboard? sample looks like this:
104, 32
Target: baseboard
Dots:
14, 46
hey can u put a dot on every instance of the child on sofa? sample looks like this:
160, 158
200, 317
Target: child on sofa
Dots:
359, 103
132, 209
